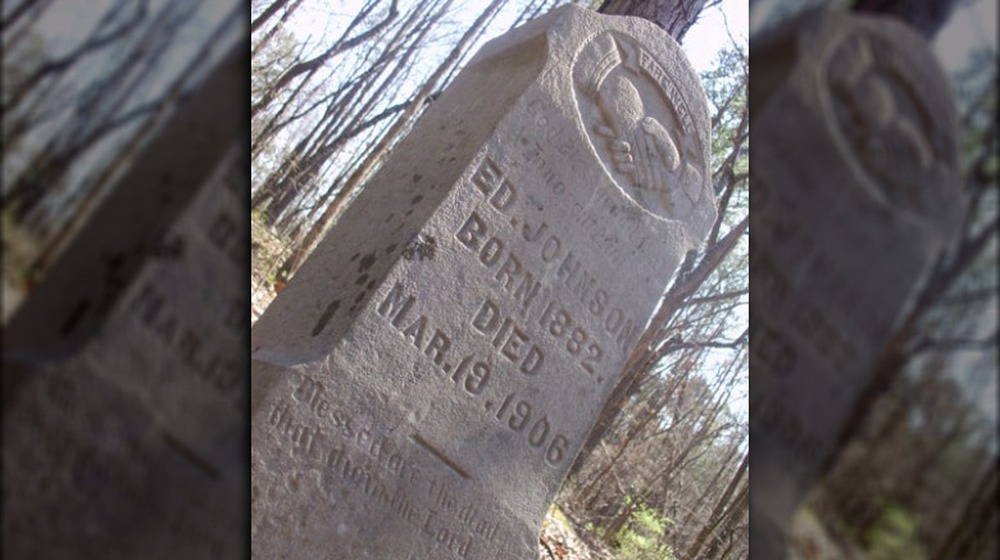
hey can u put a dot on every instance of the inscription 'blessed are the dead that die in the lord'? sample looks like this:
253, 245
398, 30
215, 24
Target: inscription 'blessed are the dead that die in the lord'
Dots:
350, 450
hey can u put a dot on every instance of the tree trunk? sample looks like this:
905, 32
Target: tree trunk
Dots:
267, 14
624, 514
643, 418
732, 516
274, 28
710, 487
925, 16
674, 16
720, 508
15, 30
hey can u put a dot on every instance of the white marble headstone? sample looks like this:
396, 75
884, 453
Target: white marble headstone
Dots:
422, 385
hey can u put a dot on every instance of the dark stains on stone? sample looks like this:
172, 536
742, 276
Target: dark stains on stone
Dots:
420, 247
390, 248
355, 257
366, 262
370, 285
326, 316
358, 300
417, 177
361, 279
74, 317
119, 268
416, 199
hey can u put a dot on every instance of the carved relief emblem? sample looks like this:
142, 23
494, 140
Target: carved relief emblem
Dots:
885, 124
639, 126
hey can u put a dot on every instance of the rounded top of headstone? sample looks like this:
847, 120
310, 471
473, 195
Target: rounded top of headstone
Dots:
890, 110
643, 109
891, 107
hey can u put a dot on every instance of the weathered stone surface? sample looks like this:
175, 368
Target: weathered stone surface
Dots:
421, 386
136, 445
854, 192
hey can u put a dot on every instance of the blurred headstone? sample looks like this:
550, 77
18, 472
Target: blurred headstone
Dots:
855, 191
125, 371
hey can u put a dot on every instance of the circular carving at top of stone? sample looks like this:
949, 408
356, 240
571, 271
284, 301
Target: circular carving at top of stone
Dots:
640, 126
896, 132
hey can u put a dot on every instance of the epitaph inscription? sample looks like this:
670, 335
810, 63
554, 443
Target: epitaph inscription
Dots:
422, 385
854, 193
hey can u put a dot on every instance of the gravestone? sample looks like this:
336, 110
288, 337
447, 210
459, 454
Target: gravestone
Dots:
422, 385
855, 192
125, 395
